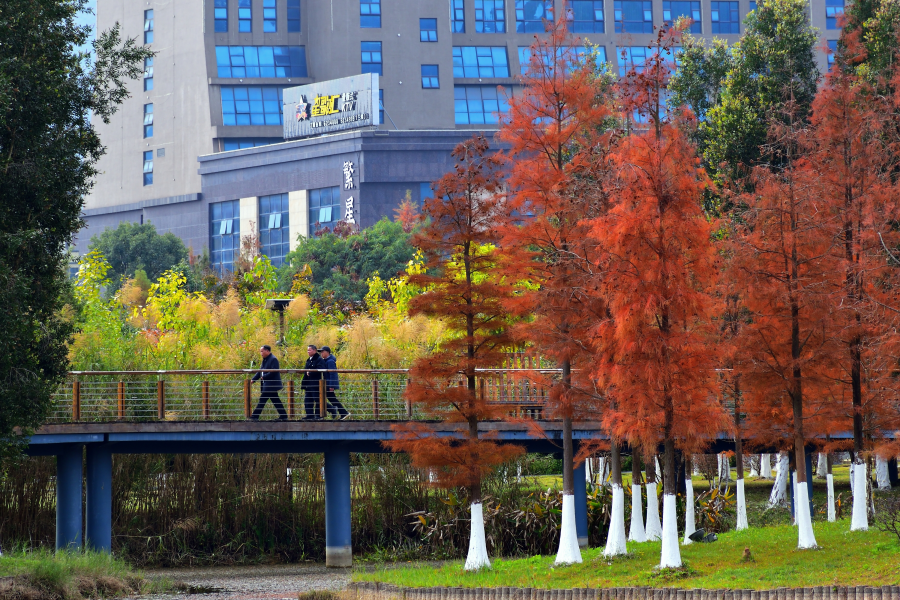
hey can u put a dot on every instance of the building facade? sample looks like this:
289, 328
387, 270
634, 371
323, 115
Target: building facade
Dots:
217, 81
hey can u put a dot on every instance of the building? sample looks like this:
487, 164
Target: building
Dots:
213, 93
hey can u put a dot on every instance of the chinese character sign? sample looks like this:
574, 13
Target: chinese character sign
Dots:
325, 105
331, 106
349, 212
348, 175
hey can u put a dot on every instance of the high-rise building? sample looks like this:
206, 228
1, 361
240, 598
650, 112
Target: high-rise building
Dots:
189, 135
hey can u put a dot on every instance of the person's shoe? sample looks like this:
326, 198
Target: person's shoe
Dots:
345, 417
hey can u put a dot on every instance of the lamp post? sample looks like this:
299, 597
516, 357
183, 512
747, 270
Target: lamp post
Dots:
279, 305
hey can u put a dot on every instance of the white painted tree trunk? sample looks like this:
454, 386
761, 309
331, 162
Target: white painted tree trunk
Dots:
589, 470
615, 539
741, 506
765, 466
794, 491
636, 533
881, 474
859, 520
806, 538
779, 488
832, 515
671, 553
478, 556
654, 528
689, 519
695, 466
754, 465
603, 471
822, 466
568, 536
519, 473
852, 478
724, 467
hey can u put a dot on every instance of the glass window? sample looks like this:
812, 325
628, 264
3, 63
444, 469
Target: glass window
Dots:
148, 26
425, 192
221, 13
225, 234
148, 167
242, 105
635, 57
430, 77
381, 106
370, 13
148, 74
478, 104
274, 234
585, 16
245, 16
148, 120
530, 15
270, 19
241, 143
725, 17
832, 52
676, 9
634, 16
371, 57
293, 15
752, 5
580, 52
457, 16
834, 10
490, 17
324, 208
427, 30
480, 61
261, 61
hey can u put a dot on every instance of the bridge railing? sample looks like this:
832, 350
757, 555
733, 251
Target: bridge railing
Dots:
229, 395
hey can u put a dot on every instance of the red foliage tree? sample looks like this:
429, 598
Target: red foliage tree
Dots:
467, 294
658, 361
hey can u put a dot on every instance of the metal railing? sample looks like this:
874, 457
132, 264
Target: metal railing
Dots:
229, 395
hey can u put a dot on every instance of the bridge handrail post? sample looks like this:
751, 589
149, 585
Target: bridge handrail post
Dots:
76, 400
246, 398
375, 397
161, 399
408, 401
205, 399
322, 397
121, 399
290, 399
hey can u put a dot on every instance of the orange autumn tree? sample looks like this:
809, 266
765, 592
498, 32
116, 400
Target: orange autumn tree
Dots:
555, 132
658, 359
466, 293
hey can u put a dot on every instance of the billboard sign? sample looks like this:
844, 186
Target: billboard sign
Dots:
331, 106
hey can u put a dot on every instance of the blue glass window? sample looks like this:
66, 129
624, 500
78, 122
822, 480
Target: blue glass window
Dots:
370, 13
676, 9
457, 16
241, 143
430, 77
834, 10
242, 105
261, 61
221, 14
832, 52
293, 15
324, 208
480, 61
530, 15
148, 120
371, 57
274, 234
478, 104
580, 52
752, 5
634, 16
224, 234
585, 16
725, 17
148, 167
148, 26
425, 193
427, 30
148, 74
636, 57
270, 18
490, 16
245, 16
381, 106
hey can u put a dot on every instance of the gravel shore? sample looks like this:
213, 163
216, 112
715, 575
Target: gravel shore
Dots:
269, 582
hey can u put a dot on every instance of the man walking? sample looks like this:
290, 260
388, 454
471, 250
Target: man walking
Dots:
332, 383
270, 384
310, 383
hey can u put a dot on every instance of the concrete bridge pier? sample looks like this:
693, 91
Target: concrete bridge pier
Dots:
581, 521
68, 497
98, 528
338, 546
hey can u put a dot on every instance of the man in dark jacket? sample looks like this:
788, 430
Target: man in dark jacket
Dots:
270, 383
332, 383
310, 382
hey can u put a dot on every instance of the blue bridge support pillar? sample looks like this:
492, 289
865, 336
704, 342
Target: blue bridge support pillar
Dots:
68, 497
581, 520
98, 530
338, 545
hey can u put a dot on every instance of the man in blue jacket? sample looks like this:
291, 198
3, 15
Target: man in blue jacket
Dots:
332, 384
270, 383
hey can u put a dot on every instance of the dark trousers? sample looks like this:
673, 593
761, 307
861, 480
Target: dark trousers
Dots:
335, 407
311, 403
276, 402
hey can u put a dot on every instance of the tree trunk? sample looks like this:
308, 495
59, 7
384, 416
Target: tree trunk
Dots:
739, 458
615, 538
569, 552
636, 533
671, 553
653, 527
